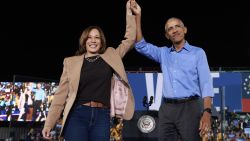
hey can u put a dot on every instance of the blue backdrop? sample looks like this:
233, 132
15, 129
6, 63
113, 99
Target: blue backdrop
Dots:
150, 84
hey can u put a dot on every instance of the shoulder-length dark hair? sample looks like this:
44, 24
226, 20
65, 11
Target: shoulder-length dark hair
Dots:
84, 37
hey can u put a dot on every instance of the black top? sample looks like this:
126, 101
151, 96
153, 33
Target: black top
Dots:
95, 81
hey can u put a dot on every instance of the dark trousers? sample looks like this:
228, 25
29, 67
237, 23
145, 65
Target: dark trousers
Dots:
37, 108
179, 121
88, 124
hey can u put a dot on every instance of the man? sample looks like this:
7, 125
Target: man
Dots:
39, 98
186, 78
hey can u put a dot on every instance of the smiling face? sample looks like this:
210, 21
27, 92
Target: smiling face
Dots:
175, 30
93, 43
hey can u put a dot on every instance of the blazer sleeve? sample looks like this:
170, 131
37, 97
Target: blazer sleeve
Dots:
129, 38
59, 99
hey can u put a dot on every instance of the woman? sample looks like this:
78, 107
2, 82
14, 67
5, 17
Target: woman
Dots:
26, 103
84, 90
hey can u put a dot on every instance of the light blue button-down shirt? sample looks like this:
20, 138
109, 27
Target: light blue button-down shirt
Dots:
39, 94
185, 73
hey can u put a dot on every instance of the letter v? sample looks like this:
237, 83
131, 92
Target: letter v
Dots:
157, 94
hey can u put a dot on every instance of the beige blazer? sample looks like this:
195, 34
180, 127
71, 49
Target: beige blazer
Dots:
66, 93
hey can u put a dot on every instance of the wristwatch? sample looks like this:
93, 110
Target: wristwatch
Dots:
209, 110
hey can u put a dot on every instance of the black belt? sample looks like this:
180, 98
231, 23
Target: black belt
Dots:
180, 100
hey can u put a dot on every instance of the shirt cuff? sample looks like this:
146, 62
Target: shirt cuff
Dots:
139, 43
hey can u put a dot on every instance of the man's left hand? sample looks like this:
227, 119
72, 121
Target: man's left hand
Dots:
205, 124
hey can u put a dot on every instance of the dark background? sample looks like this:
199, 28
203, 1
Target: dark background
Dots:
35, 36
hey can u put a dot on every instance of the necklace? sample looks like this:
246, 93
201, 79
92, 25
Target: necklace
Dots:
92, 59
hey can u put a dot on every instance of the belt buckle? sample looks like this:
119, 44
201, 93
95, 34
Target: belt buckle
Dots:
94, 104
182, 100
177, 101
172, 101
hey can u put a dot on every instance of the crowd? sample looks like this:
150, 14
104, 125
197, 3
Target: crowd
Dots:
25, 101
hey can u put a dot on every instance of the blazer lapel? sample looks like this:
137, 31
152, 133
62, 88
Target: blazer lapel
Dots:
75, 72
113, 60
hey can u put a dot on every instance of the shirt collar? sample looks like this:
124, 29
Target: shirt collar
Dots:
187, 47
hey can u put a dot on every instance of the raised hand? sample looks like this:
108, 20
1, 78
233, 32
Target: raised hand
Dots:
128, 7
136, 9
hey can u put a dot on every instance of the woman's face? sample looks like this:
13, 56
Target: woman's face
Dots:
93, 43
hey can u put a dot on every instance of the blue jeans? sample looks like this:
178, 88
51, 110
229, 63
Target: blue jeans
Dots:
86, 123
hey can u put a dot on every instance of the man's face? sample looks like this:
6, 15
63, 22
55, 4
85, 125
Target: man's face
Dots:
39, 85
175, 30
